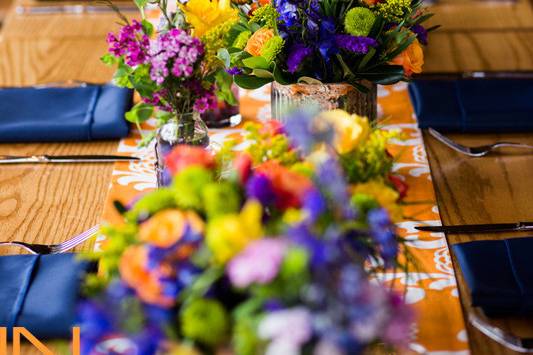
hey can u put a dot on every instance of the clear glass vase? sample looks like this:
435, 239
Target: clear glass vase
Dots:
285, 98
183, 129
224, 115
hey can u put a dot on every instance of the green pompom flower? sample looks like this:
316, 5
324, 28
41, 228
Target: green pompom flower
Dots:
295, 263
242, 39
189, 185
359, 21
272, 48
221, 198
394, 10
205, 321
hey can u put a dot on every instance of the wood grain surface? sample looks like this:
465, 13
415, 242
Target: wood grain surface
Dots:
492, 189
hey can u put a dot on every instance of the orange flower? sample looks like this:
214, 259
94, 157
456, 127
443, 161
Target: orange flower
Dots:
134, 271
165, 228
258, 40
289, 186
412, 59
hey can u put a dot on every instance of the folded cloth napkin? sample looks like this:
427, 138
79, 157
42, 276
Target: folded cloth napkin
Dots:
499, 274
54, 114
40, 292
474, 105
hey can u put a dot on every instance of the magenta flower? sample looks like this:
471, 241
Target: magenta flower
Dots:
258, 263
131, 42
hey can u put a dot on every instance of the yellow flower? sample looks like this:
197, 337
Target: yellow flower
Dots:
204, 15
385, 195
350, 130
167, 227
227, 235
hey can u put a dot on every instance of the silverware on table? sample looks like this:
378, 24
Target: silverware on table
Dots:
55, 248
480, 228
509, 340
69, 9
17, 159
478, 151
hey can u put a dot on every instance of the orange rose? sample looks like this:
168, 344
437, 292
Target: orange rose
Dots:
258, 40
411, 59
165, 228
134, 271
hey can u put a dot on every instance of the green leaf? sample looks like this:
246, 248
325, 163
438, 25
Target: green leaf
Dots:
366, 58
109, 59
148, 28
141, 4
308, 80
256, 63
224, 56
139, 113
250, 82
279, 76
262, 73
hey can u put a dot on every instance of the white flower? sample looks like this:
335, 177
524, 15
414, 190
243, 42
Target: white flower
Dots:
292, 326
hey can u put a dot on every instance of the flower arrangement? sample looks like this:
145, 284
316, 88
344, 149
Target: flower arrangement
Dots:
331, 41
174, 68
261, 251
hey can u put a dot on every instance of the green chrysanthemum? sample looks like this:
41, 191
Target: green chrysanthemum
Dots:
266, 15
189, 185
221, 198
205, 321
272, 48
394, 10
242, 39
359, 21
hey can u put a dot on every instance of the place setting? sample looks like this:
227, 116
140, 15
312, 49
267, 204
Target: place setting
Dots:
264, 177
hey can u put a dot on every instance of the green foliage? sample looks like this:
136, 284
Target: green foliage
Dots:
151, 203
139, 113
242, 39
264, 147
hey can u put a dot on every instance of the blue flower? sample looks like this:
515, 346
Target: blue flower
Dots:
355, 44
421, 33
297, 54
288, 12
382, 230
260, 188
331, 181
315, 204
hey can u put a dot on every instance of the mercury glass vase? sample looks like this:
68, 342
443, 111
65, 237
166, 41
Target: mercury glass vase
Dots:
285, 98
183, 129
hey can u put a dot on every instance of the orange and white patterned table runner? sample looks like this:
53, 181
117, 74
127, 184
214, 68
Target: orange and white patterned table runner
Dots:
431, 289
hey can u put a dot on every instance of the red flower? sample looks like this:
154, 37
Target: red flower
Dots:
272, 128
289, 186
243, 165
399, 185
184, 156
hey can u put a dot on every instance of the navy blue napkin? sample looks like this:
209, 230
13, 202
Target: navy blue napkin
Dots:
499, 274
474, 105
40, 293
52, 114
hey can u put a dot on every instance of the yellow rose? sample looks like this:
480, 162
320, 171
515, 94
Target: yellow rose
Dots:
204, 15
227, 235
386, 196
350, 130
165, 228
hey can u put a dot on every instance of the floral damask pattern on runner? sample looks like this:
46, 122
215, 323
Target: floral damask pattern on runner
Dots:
431, 287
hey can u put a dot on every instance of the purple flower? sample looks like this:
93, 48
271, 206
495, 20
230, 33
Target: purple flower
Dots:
205, 103
258, 263
234, 71
382, 230
314, 204
355, 44
297, 54
131, 42
421, 33
260, 188
332, 182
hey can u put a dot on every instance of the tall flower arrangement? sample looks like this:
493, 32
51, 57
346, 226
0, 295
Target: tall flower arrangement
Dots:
173, 67
261, 252
330, 41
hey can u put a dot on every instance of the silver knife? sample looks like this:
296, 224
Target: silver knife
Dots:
480, 228
17, 159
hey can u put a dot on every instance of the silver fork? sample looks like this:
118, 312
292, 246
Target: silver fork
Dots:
55, 248
477, 151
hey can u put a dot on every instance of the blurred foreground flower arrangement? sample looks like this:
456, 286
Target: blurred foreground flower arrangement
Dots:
267, 250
